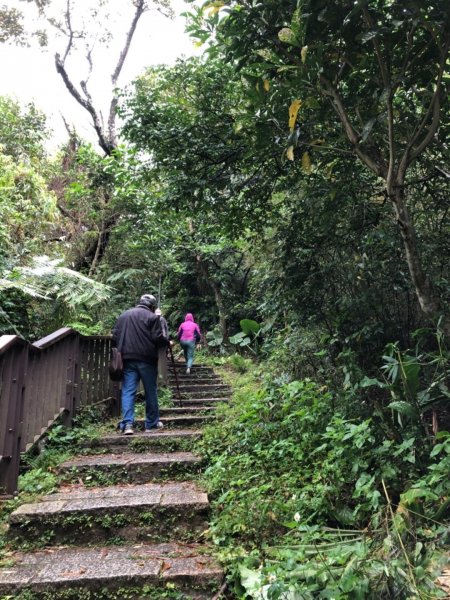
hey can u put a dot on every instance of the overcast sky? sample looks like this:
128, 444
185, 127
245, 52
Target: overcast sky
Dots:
29, 74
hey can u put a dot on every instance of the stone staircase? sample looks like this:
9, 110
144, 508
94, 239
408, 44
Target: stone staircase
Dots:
140, 528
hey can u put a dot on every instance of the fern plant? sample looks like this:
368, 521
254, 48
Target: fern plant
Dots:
48, 279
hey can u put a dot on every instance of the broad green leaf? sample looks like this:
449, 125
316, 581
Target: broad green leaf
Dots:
368, 382
237, 339
404, 408
248, 326
413, 494
214, 338
411, 371
437, 449
251, 580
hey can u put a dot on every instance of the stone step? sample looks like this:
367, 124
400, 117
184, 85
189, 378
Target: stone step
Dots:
174, 421
97, 571
150, 512
186, 409
182, 364
165, 440
191, 401
188, 388
216, 392
128, 468
194, 374
194, 381
196, 369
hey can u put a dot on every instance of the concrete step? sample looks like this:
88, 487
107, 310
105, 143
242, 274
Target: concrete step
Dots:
197, 381
188, 388
186, 410
107, 570
195, 370
206, 394
195, 401
106, 469
165, 440
174, 421
79, 515
182, 364
194, 376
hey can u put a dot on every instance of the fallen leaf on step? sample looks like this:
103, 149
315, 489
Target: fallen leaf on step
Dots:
74, 573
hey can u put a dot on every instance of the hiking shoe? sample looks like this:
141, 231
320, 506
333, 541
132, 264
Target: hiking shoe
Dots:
159, 425
128, 430
188, 371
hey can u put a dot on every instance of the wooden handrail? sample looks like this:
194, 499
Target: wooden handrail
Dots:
39, 382
54, 337
6, 341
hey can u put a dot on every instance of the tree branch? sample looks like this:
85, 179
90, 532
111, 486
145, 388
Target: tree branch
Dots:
85, 103
377, 166
69, 26
140, 9
433, 111
385, 76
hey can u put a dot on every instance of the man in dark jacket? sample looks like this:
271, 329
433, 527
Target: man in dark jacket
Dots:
138, 336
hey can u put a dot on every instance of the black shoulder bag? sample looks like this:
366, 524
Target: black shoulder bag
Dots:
116, 362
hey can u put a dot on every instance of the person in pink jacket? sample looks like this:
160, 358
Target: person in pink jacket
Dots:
189, 335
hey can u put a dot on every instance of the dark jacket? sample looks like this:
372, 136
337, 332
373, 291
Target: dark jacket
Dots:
143, 335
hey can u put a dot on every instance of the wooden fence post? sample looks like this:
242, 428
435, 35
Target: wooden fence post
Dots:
70, 403
14, 370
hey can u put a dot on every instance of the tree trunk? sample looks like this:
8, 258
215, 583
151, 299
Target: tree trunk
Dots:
428, 301
223, 322
203, 269
95, 251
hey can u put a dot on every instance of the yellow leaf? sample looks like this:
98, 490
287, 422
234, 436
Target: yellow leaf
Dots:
303, 53
306, 162
212, 10
198, 44
293, 111
266, 83
290, 153
213, 7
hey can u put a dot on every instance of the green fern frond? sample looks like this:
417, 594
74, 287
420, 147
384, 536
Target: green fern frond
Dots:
47, 279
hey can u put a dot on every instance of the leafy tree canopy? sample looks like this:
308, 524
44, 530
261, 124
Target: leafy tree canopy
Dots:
200, 139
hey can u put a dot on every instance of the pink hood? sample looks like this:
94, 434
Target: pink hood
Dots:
188, 328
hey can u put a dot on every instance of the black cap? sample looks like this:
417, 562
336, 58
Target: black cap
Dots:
149, 301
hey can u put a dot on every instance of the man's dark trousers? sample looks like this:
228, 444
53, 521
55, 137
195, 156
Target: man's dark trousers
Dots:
134, 371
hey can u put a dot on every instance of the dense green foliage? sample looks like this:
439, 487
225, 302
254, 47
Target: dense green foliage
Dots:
324, 503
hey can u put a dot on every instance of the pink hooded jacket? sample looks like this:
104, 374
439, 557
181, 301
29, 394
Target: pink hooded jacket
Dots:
187, 329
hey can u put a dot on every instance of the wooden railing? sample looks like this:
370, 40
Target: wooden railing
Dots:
44, 381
